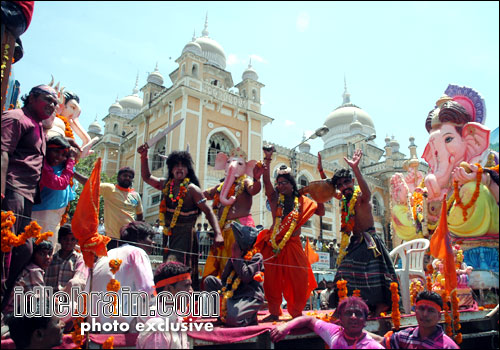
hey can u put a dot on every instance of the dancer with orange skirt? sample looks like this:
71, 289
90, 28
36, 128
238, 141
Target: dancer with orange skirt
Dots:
288, 271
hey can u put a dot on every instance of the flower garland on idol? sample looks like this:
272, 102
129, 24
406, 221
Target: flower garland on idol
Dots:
347, 222
227, 292
236, 189
456, 193
293, 217
168, 192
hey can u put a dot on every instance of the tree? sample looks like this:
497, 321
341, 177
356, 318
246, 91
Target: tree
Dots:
85, 167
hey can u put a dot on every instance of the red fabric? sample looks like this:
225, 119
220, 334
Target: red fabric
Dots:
120, 340
27, 8
86, 219
440, 248
312, 256
290, 273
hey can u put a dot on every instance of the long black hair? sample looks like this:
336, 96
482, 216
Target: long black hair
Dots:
288, 176
185, 159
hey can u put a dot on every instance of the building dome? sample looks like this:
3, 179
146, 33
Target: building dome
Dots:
211, 49
193, 47
250, 73
132, 102
95, 128
155, 77
115, 108
346, 120
394, 145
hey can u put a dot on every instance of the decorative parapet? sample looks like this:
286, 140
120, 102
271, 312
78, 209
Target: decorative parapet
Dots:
224, 95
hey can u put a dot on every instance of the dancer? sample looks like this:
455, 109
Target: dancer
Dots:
288, 271
180, 207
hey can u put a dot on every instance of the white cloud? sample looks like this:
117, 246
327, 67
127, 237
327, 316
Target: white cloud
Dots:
232, 59
257, 58
302, 21
289, 123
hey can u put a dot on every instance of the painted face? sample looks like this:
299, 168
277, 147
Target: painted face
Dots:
179, 172
284, 186
427, 316
56, 156
71, 109
42, 106
346, 187
353, 319
68, 242
43, 258
125, 179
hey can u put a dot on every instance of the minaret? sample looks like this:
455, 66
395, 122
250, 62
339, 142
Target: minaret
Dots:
388, 153
205, 29
346, 96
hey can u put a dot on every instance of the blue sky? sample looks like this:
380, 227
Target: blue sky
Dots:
398, 57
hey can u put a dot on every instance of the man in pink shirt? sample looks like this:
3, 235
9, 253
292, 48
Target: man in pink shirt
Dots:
352, 313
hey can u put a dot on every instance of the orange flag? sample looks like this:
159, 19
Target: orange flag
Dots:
86, 219
440, 247
312, 256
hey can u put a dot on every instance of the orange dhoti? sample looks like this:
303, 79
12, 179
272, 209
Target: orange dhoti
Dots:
218, 257
289, 274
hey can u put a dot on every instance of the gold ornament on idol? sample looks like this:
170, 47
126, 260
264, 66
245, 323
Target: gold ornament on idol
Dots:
236, 189
163, 206
294, 215
347, 223
227, 294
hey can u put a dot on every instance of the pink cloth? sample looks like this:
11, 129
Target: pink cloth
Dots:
334, 337
53, 181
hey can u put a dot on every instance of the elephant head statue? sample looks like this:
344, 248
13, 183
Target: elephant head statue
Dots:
235, 165
455, 135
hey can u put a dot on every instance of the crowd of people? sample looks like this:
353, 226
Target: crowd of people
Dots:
37, 175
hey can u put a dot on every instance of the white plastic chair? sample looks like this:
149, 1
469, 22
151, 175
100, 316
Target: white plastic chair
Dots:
412, 259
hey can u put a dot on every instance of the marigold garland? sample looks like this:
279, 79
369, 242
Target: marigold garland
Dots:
456, 317
68, 132
108, 343
259, 277
342, 289
456, 193
76, 334
249, 255
446, 309
347, 222
293, 217
113, 285
167, 192
415, 288
356, 293
236, 189
428, 280
10, 240
395, 314
227, 292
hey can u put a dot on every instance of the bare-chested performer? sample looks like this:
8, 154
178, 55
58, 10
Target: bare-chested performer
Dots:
180, 206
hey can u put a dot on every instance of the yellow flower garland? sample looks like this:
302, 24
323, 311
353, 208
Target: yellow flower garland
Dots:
163, 207
294, 216
348, 216
240, 186
227, 294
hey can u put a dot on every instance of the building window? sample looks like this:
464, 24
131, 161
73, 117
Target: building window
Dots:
244, 93
303, 181
155, 199
307, 224
183, 70
115, 128
160, 149
326, 226
194, 71
377, 211
218, 143
254, 95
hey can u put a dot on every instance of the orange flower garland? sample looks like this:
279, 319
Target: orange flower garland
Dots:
396, 314
251, 253
114, 285
447, 317
456, 317
108, 343
76, 334
228, 294
356, 293
456, 193
429, 283
68, 132
415, 288
259, 277
342, 289
10, 240
347, 222
167, 192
